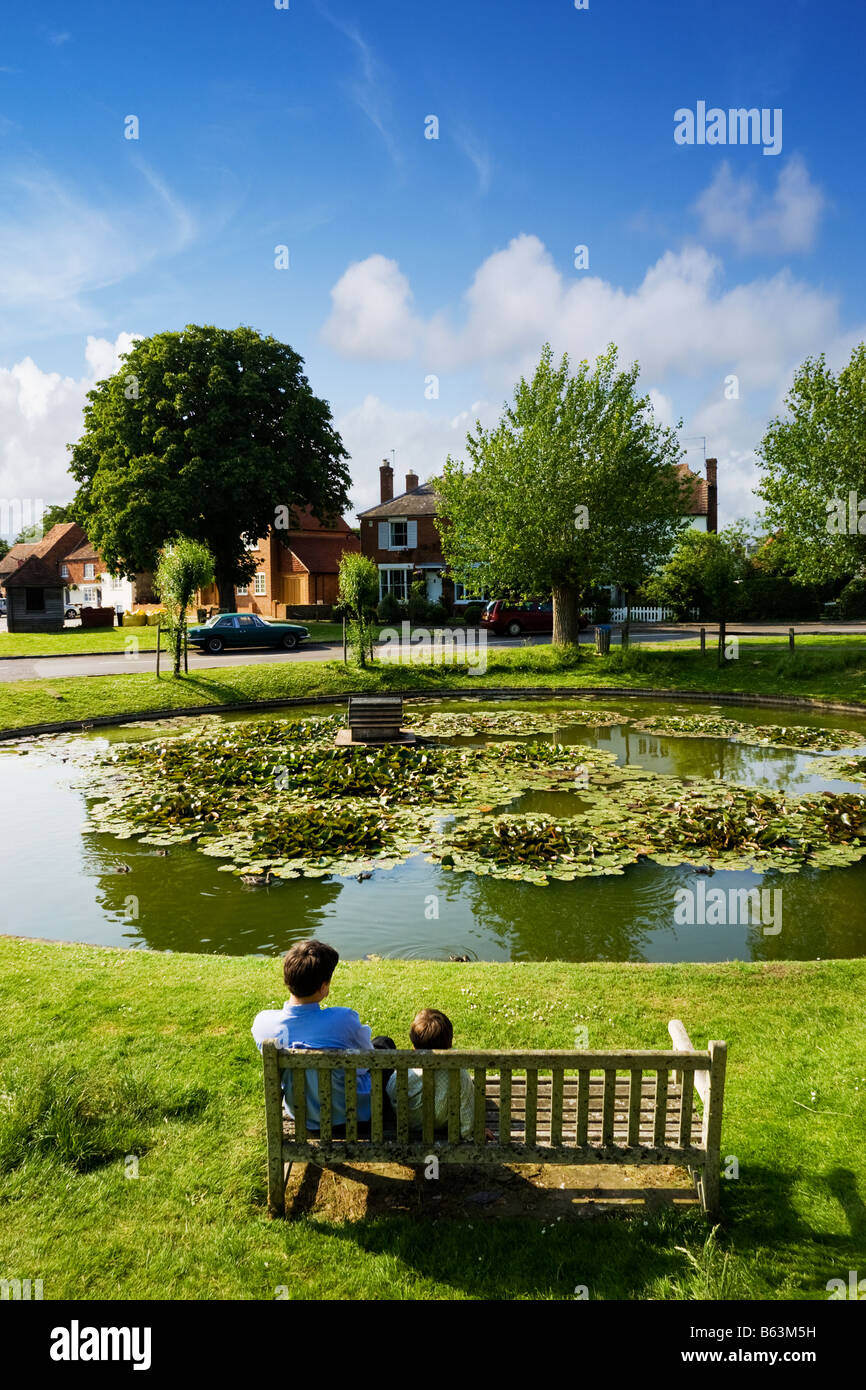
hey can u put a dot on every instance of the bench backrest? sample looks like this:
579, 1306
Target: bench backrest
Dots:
376, 714
556, 1101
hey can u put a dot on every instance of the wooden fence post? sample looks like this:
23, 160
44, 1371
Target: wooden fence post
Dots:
703, 640
345, 652
185, 651
790, 639
158, 642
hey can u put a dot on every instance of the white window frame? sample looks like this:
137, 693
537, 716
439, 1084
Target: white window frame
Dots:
395, 543
89, 598
89, 571
64, 571
386, 585
260, 587
242, 590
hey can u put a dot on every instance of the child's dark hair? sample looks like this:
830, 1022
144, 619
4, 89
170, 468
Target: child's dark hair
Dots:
307, 966
431, 1029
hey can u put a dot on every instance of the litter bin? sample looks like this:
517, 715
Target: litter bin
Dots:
602, 638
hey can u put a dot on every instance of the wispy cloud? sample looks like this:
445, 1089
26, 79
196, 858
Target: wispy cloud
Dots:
477, 156
369, 90
787, 219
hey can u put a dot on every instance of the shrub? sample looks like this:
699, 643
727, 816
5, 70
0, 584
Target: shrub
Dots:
852, 600
420, 608
390, 609
472, 614
438, 614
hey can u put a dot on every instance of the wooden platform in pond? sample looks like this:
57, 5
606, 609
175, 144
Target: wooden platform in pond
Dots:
375, 719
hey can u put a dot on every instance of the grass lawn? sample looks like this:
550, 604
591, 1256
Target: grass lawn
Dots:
825, 668
106, 1054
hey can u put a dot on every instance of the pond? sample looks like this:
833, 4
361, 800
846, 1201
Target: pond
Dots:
66, 879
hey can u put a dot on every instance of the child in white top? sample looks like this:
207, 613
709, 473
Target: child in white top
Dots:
431, 1031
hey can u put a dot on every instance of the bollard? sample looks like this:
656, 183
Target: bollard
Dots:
703, 640
790, 639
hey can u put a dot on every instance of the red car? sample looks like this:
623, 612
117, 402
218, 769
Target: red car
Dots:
511, 619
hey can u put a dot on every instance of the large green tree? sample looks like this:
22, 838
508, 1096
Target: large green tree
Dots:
574, 462
814, 470
206, 433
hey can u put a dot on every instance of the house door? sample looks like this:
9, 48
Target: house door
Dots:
434, 586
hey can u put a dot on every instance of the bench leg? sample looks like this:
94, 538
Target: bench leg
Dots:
709, 1187
278, 1177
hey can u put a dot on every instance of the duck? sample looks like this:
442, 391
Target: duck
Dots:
162, 853
258, 880
122, 869
461, 959
362, 878
705, 869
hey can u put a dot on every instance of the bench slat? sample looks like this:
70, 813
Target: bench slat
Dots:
661, 1108
608, 1106
686, 1107
351, 1076
402, 1107
582, 1121
377, 1106
325, 1105
518, 1061
479, 1082
299, 1099
634, 1105
531, 1106
453, 1107
428, 1106
556, 1107
505, 1112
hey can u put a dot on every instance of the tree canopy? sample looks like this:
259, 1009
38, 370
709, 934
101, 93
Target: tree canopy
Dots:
576, 479
814, 470
203, 433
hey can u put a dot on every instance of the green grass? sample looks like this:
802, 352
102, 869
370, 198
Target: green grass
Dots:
106, 1054
833, 669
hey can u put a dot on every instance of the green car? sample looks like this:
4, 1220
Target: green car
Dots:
245, 630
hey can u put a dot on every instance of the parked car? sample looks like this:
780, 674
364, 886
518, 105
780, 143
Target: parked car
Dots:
72, 610
245, 630
2, 607
511, 619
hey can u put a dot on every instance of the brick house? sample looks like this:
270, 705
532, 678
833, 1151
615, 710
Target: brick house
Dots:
296, 569
401, 537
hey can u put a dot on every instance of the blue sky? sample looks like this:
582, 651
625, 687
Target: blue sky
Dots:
413, 258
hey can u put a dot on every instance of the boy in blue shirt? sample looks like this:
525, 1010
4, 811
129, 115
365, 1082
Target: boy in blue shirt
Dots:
301, 1023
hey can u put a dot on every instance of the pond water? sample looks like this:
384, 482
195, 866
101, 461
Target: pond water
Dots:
60, 882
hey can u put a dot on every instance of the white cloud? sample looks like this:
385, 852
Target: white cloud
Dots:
371, 313
735, 210
679, 319
40, 413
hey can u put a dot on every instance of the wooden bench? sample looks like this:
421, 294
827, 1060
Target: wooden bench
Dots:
375, 718
558, 1107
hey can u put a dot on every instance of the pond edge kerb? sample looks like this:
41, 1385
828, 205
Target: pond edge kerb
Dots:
437, 697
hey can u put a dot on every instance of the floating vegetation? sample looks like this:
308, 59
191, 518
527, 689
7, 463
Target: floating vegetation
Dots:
808, 737
844, 769
278, 797
459, 724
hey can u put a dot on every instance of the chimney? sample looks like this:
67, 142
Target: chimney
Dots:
386, 481
712, 495
411, 482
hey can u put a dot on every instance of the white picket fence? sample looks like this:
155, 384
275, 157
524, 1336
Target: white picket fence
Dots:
643, 613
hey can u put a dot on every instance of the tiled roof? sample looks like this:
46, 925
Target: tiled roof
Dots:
35, 573
698, 504
305, 521
84, 552
16, 555
321, 554
421, 501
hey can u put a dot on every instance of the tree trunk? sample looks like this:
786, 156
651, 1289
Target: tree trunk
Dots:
626, 627
226, 591
722, 628
178, 647
566, 628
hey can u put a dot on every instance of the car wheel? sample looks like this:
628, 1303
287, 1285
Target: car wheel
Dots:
513, 629
290, 641
70, 613
214, 645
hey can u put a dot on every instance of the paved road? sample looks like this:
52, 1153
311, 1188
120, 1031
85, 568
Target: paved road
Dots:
109, 664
